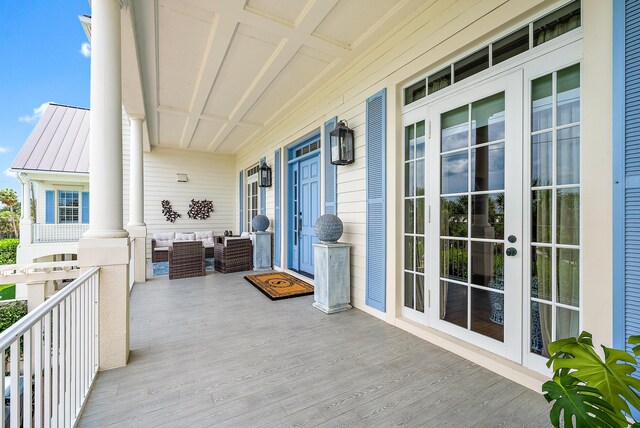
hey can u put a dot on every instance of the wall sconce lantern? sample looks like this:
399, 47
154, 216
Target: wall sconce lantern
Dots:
264, 175
341, 140
182, 178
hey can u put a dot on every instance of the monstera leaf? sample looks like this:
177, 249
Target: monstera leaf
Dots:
582, 402
612, 377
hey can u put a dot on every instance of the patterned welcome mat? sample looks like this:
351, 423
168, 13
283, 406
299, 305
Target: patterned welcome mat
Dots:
278, 285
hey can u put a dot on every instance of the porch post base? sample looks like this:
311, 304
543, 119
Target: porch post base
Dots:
35, 294
333, 310
112, 256
332, 290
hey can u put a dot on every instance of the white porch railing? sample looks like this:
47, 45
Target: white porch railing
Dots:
132, 262
59, 342
43, 233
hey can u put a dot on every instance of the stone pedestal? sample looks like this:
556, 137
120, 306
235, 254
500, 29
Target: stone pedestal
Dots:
262, 251
332, 291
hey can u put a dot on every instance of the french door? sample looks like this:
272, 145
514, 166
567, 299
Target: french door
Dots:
476, 195
491, 209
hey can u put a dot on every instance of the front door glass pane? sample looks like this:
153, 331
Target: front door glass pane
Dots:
472, 205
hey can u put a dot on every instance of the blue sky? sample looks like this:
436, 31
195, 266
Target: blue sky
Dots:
42, 59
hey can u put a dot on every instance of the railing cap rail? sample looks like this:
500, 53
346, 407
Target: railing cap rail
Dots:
21, 326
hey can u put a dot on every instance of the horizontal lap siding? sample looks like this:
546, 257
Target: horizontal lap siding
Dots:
427, 39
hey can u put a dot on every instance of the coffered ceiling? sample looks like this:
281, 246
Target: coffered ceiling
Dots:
214, 73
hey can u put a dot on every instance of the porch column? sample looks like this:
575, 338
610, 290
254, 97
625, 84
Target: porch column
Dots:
25, 218
106, 243
136, 227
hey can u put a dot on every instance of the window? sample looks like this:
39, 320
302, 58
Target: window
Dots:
68, 206
252, 195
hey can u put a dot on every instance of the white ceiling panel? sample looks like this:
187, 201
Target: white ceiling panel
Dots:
284, 10
170, 127
239, 136
350, 19
205, 133
249, 52
293, 78
182, 40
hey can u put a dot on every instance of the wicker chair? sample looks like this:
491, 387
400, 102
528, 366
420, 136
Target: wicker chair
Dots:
186, 259
234, 256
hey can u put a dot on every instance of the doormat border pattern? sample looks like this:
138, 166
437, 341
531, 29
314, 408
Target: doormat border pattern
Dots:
260, 281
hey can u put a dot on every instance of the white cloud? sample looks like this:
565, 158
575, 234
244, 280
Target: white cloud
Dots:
37, 114
10, 173
4, 149
85, 50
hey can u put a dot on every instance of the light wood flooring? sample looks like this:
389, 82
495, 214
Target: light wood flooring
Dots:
214, 351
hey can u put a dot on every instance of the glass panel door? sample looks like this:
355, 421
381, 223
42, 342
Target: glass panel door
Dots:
477, 143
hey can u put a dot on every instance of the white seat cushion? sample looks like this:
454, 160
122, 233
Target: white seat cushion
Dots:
161, 249
234, 238
185, 236
202, 236
208, 244
206, 241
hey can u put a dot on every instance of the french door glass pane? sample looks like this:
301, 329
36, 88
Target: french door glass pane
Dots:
491, 216
541, 159
420, 139
408, 253
487, 264
408, 289
420, 213
454, 216
487, 168
453, 303
487, 119
454, 259
455, 129
419, 293
555, 208
408, 215
455, 170
409, 143
487, 313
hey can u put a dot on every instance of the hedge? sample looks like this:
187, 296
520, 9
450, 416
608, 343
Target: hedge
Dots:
8, 249
11, 312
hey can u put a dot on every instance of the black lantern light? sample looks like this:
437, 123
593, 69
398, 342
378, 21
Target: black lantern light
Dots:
265, 175
341, 140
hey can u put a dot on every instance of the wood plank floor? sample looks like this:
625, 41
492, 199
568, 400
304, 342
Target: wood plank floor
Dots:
214, 351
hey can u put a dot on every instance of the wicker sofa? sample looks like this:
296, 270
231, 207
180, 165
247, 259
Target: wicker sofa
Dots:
162, 241
233, 254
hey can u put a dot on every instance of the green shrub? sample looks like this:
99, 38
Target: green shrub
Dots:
8, 249
10, 313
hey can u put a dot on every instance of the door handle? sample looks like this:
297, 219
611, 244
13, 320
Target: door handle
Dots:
511, 251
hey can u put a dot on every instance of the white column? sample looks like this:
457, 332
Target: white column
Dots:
136, 226
105, 133
136, 174
106, 243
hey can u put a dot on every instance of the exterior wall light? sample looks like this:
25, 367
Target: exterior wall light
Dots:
265, 175
182, 178
341, 140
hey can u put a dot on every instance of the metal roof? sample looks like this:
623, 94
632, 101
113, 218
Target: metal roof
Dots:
58, 143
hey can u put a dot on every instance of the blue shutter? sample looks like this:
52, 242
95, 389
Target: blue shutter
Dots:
50, 205
330, 171
626, 170
276, 204
376, 146
263, 193
241, 199
85, 207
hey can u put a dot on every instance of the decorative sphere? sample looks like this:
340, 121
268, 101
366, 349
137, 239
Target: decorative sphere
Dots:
260, 222
329, 228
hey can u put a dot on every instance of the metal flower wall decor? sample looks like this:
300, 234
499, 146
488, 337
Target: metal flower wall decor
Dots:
200, 210
168, 212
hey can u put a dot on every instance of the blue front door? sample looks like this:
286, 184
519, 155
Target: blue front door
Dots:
309, 210
304, 204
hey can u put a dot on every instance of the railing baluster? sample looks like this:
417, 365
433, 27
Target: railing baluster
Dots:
62, 313
67, 362
4, 372
72, 367
15, 383
47, 368
26, 382
55, 353
37, 378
